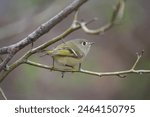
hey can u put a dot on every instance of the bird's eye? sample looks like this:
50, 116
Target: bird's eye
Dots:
84, 43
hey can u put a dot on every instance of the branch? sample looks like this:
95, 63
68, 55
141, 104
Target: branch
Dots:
41, 30
139, 56
120, 74
2, 93
116, 17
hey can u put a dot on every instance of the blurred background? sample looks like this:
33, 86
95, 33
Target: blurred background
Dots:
113, 51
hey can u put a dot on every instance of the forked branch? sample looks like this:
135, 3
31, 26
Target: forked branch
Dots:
120, 74
117, 15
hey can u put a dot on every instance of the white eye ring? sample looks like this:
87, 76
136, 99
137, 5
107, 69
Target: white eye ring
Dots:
84, 43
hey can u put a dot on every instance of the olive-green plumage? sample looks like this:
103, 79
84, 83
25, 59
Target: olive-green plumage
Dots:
70, 53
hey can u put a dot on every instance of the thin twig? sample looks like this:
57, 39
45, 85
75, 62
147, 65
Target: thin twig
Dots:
3, 94
100, 74
139, 55
116, 16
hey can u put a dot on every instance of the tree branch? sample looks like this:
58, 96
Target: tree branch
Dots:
139, 56
117, 15
3, 94
120, 74
41, 30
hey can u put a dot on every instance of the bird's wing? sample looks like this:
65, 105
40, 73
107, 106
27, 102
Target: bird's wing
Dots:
66, 52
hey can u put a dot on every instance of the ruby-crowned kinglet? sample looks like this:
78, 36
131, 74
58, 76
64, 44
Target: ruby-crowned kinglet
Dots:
70, 53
